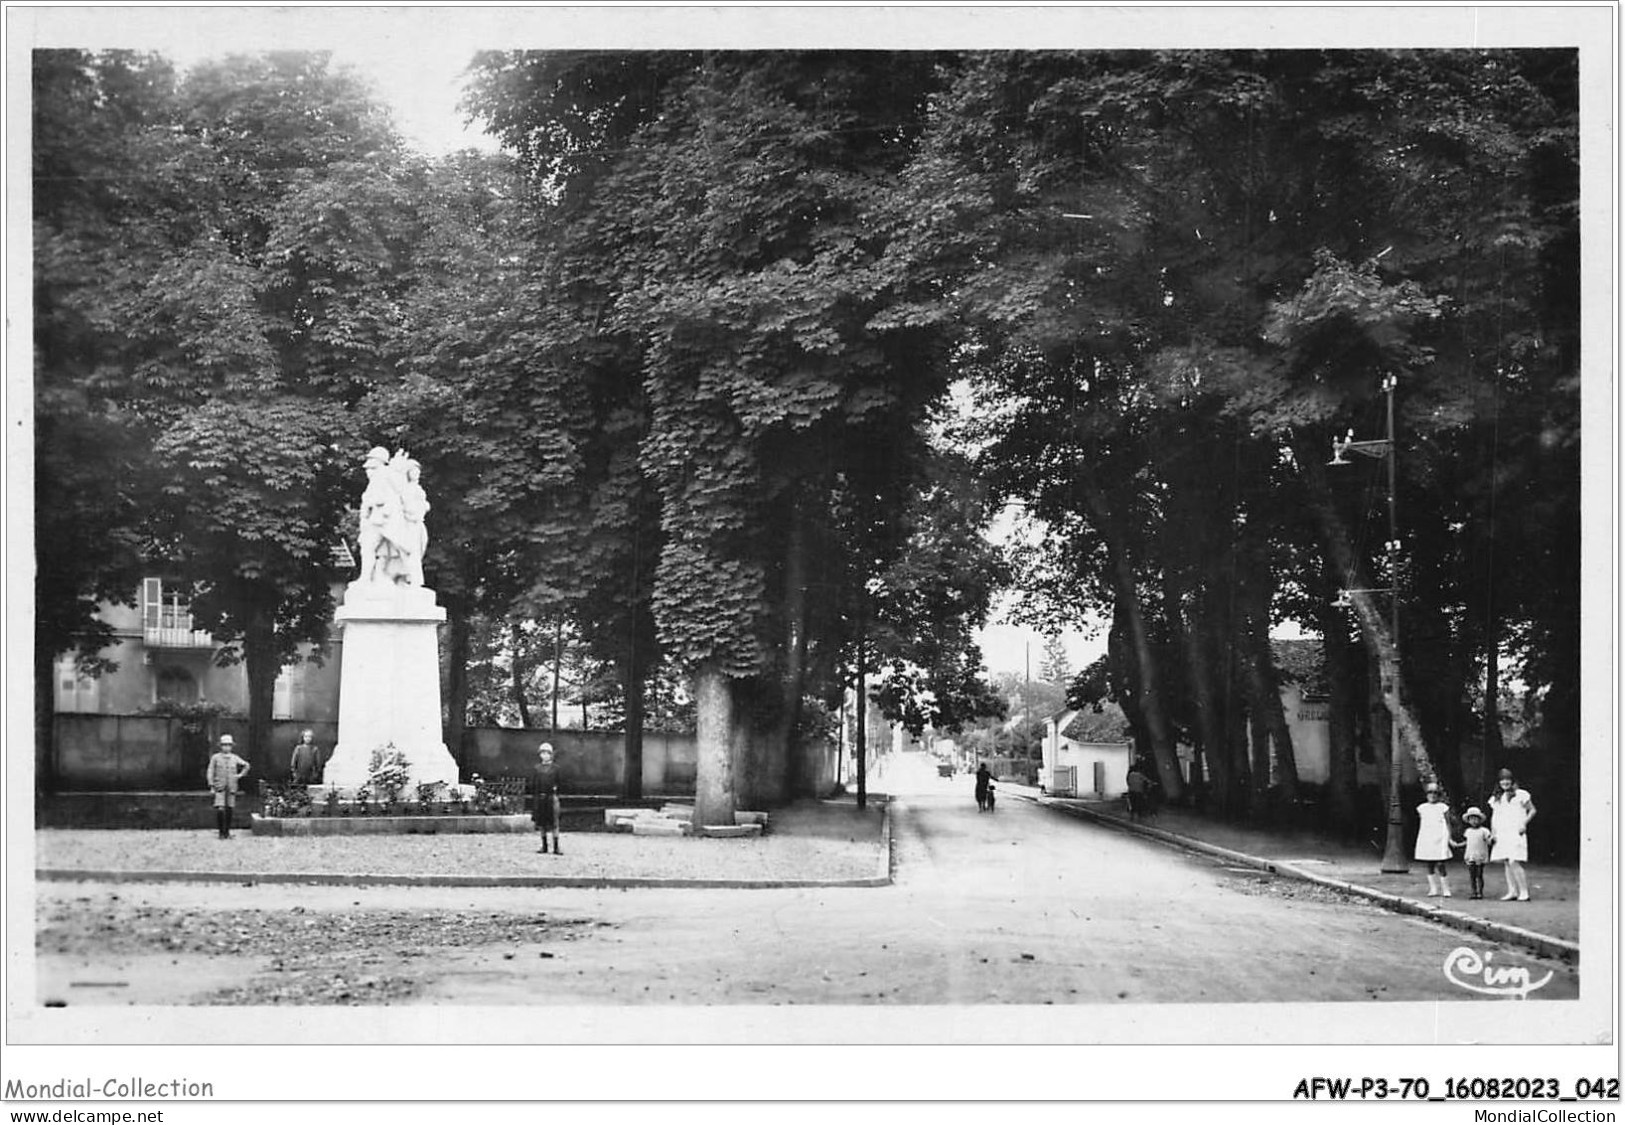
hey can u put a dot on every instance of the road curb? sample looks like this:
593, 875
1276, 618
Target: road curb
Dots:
883, 878
1544, 944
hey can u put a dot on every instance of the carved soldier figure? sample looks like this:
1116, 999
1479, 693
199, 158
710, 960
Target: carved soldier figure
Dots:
389, 545
414, 507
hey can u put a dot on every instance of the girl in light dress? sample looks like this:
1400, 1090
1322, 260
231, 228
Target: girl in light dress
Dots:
1433, 840
1511, 810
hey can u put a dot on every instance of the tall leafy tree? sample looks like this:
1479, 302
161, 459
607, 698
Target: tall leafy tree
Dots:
273, 319
1126, 231
256, 221
732, 215
106, 172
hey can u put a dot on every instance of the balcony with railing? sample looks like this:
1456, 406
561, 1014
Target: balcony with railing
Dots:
173, 629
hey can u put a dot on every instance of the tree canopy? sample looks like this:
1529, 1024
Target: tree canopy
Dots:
683, 362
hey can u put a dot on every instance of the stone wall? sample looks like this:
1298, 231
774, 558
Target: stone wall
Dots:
587, 761
129, 753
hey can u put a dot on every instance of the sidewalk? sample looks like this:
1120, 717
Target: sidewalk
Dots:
1549, 922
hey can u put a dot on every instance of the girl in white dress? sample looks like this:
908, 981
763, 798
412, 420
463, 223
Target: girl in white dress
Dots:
1511, 810
1433, 840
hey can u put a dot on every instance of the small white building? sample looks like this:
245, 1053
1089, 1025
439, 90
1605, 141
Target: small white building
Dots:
1082, 756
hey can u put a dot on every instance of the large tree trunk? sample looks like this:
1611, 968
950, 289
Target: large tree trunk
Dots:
1437, 641
749, 752
45, 775
632, 755
1388, 754
558, 670
1493, 750
1210, 718
787, 776
1343, 779
714, 721
517, 679
1258, 740
745, 753
1124, 683
1378, 636
1158, 729
1258, 664
1266, 694
262, 664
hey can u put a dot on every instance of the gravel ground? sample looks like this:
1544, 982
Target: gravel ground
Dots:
292, 956
852, 852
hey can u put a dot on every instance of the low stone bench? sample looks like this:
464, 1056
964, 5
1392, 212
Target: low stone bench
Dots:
660, 826
623, 820
724, 831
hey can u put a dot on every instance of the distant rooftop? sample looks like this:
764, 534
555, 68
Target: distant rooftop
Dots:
1106, 725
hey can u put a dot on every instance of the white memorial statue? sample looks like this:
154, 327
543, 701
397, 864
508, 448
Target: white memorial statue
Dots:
392, 532
389, 680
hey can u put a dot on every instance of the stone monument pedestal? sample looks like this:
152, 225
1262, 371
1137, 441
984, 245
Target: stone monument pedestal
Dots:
389, 684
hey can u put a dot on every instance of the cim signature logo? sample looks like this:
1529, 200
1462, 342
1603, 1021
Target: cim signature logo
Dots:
1464, 968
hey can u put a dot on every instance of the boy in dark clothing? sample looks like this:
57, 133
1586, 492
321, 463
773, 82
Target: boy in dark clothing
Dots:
545, 811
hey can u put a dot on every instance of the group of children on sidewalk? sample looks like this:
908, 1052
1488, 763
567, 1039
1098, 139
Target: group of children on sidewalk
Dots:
1505, 839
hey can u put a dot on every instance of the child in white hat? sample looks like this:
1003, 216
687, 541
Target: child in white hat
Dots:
224, 775
1476, 839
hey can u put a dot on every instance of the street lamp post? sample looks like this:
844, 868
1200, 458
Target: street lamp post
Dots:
1393, 856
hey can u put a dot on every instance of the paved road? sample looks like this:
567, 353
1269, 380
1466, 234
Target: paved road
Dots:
1021, 906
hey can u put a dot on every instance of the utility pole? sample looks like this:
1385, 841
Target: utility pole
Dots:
1393, 856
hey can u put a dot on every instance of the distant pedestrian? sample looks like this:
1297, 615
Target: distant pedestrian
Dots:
1475, 838
226, 770
1433, 840
1511, 810
306, 764
984, 788
545, 809
1139, 792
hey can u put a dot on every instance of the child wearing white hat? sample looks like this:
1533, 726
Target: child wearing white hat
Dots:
1476, 840
225, 771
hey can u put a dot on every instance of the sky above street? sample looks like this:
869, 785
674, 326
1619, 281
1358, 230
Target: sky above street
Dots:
414, 60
